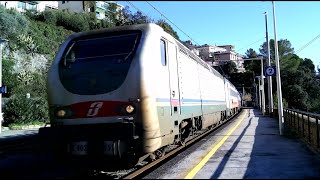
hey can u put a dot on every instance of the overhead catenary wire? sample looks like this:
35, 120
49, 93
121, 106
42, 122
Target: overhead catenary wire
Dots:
172, 23
306, 45
251, 44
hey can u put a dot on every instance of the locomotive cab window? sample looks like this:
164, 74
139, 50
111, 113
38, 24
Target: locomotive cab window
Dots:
98, 63
163, 52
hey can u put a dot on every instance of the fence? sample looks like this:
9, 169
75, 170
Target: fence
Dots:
305, 124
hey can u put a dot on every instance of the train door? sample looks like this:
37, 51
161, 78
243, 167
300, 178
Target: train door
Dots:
174, 81
227, 91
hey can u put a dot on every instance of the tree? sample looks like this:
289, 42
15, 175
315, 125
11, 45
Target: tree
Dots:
139, 18
89, 6
167, 28
284, 48
253, 65
308, 64
8, 77
112, 15
227, 69
125, 17
290, 62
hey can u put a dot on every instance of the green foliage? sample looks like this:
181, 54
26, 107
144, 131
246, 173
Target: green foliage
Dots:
245, 79
284, 48
275, 101
50, 17
12, 24
71, 21
308, 64
300, 88
290, 62
26, 42
112, 15
20, 109
47, 37
9, 78
167, 28
253, 66
76, 22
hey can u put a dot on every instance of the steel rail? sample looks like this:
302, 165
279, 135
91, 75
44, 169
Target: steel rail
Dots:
148, 166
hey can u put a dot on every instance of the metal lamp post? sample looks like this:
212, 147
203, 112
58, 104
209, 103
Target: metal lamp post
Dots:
279, 92
1, 114
269, 78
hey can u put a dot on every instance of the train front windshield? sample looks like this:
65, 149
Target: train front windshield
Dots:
98, 64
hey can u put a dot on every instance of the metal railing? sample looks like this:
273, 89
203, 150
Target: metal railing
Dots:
305, 124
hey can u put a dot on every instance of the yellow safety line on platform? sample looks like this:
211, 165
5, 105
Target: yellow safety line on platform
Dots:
195, 170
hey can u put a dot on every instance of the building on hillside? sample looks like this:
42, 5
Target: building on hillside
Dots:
101, 7
218, 55
22, 6
192, 47
206, 52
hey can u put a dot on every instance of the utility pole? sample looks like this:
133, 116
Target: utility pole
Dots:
269, 78
1, 114
263, 106
279, 93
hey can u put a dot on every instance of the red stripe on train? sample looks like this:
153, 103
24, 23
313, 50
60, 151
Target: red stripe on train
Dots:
175, 102
234, 104
92, 109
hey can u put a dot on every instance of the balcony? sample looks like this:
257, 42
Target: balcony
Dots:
101, 5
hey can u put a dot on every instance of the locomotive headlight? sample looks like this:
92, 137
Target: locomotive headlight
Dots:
61, 113
129, 108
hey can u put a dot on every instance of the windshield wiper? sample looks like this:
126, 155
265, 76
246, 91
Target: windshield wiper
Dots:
134, 45
65, 56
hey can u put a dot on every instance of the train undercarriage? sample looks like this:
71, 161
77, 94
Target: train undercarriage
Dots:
93, 144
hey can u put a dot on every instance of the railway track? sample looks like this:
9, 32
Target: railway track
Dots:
146, 167
17, 145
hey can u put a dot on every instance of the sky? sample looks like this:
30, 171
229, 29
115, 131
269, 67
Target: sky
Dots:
240, 23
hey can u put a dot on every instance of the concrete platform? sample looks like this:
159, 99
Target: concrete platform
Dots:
248, 147
256, 150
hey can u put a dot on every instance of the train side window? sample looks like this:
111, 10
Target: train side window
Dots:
163, 52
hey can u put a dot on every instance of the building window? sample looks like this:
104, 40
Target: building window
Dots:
163, 52
31, 6
21, 5
98, 14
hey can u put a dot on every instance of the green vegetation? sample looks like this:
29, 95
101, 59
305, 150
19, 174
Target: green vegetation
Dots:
33, 35
300, 86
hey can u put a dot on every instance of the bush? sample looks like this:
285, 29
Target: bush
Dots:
47, 37
9, 78
73, 21
20, 109
50, 17
12, 23
34, 15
